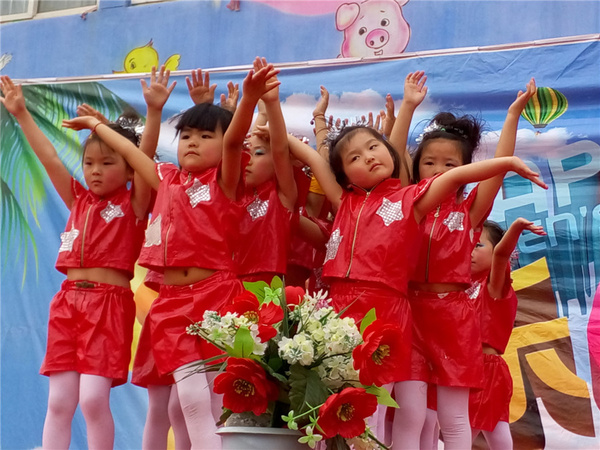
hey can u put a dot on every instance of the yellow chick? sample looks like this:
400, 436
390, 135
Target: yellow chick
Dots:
142, 59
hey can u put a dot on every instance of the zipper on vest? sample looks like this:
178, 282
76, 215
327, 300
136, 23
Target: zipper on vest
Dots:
435, 216
87, 216
356, 232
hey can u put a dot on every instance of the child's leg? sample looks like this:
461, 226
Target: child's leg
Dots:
195, 399
430, 434
63, 397
500, 438
182, 438
156, 428
94, 401
409, 418
453, 417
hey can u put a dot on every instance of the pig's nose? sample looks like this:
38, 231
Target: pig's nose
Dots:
377, 38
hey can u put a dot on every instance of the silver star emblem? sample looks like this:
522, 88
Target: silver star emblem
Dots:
111, 212
198, 192
67, 238
153, 233
473, 291
454, 221
332, 245
390, 211
257, 208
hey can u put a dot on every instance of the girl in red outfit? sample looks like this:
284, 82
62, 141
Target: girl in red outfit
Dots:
90, 324
376, 228
496, 301
190, 239
446, 329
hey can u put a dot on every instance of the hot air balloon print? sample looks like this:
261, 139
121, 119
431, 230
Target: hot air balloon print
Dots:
545, 106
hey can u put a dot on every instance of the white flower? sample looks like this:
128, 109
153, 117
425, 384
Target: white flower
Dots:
298, 349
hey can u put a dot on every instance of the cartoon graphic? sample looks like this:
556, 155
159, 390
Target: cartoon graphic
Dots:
234, 5
545, 106
372, 28
142, 59
4, 60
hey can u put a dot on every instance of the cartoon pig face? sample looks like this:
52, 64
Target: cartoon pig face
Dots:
372, 28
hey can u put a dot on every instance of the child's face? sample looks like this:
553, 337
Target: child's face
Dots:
481, 257
199, 150
366, 160
104, 170
439, 156
260, 167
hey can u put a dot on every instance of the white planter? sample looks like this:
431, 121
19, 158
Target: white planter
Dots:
260, 438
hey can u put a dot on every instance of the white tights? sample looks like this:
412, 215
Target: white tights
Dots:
164, 411
499, 439
453, 417
92, 393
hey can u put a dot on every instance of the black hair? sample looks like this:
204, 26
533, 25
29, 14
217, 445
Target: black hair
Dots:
203, 116
125, 125
495, 232
337, 144
465, 130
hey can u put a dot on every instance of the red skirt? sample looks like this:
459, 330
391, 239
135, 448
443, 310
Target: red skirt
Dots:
145, 373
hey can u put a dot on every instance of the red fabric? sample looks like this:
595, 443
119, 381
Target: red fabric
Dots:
191, 234
90, 330
264, 240
445, 255
145, 372
447, 339
491, 405
370, 250
106, 228
175, 308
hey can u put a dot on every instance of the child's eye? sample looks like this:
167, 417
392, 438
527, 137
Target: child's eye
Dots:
206, 136
354, 158
479, 245
450, 165
259, 152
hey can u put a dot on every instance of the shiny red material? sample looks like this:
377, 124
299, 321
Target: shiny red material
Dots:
101, 232
445, 254
193, 222
90, 330
145, 372
491, 405
375, 235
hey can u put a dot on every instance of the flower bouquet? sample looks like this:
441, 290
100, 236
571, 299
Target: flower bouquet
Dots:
289, 355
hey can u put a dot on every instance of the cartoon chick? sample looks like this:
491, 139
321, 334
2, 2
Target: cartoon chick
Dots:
142, 59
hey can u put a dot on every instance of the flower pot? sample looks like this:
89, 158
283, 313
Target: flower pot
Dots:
260, 438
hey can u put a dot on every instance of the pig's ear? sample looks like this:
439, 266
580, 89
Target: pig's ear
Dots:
402, 2
345, 15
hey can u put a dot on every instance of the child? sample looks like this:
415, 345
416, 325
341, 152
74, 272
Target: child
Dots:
190, 239
446, 329
270, 193
90, 325
496, 300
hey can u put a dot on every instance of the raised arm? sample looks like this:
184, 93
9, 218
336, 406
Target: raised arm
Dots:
14, 102
320, 120
414, 94
504, 249
254, 86
139, 162
488, 189
449, 182
199, 88
320, 169
230, 101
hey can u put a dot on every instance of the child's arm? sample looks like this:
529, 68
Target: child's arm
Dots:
14, 102
321, 127
449, 182
86, 110
280, 152
320, 169
503, 251
201, 91
261, 117
488, 189
414, 94
255, 85
388, 116
139, 162
230, 101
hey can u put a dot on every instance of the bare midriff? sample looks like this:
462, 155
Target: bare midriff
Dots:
489, 350
105, 275
181, 276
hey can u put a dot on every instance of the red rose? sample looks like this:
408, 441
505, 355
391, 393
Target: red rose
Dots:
267, 315
293, 295
381, 357
345, 413
245, 386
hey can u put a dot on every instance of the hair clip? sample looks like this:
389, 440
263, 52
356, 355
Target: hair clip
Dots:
434, 126
136, 126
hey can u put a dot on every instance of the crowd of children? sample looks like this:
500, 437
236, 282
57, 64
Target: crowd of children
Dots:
378, 226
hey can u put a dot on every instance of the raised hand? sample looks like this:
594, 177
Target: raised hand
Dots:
201, 91
524, 224
522, 98
258, 83
414, 88
272, 94
81, 123
12, 99
230, 100
322, 103
522, 169
86, 110
388, 116
157, 93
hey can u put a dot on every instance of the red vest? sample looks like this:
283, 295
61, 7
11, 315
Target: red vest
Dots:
193, 222
101, 232
375, 235
447, 240
497, 314
264, 231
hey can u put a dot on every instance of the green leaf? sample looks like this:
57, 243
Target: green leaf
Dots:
257, 288
276, 283
367, 320
243, 343
306, 389
383, 396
